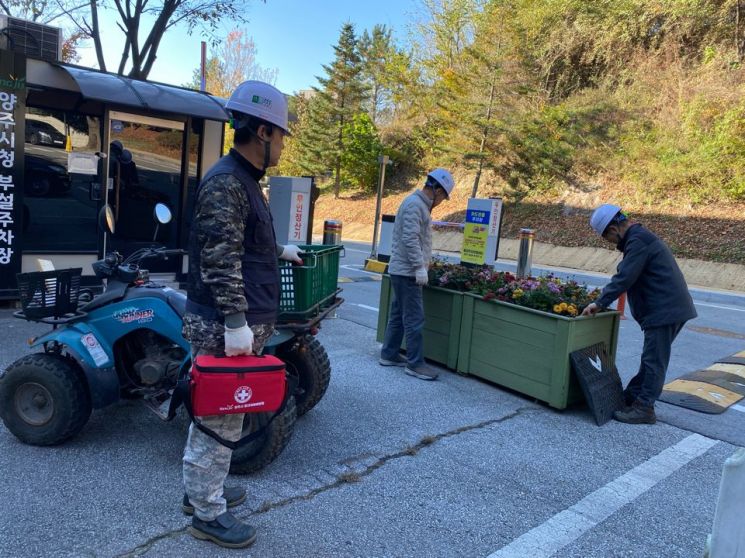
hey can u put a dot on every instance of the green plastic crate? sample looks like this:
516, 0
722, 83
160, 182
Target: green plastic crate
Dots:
306, 289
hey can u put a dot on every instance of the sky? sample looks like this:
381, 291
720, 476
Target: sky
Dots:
294, 36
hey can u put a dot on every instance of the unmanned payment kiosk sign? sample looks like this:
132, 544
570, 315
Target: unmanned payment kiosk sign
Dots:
481, 231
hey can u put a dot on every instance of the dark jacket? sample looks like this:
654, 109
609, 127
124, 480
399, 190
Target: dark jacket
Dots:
232, 250
657, 291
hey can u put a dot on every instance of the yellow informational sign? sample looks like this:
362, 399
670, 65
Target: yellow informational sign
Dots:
475, 237
481, 231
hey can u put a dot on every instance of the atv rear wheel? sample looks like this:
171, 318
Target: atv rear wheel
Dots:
259, 453
44, 399
309, 364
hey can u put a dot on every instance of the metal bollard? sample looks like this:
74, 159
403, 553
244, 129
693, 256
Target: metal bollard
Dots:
525, 256
332, 232
727, 539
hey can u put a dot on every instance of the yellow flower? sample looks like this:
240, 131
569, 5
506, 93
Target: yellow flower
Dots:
563, 306
517, 293
572, 310
557, 308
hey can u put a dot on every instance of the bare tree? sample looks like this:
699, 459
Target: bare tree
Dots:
144, 23
238, 60
233, 63
42, 11
739, 35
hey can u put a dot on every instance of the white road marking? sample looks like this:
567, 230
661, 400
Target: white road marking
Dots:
567, 526
358, 251
366, 307
357, 268
740, 408
718, 306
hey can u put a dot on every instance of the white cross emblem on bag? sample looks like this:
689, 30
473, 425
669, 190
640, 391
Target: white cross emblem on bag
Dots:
243, 394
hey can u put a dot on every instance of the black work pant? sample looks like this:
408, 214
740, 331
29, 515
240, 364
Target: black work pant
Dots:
646, 386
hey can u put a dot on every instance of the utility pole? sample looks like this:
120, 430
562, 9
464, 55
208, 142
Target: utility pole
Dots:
203, 68
383, 160
483, 141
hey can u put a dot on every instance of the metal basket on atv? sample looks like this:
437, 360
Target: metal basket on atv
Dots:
309, 289
49, 294
128, 342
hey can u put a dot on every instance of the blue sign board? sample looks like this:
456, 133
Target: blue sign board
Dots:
477, 216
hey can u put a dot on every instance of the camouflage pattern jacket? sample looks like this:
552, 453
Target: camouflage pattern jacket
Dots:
222, 214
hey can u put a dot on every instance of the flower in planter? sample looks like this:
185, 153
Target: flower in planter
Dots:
546, 293
456, 277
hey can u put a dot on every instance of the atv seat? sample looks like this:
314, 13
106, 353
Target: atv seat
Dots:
177, 301
103, 299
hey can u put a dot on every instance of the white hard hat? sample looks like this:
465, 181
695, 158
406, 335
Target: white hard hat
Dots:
261, 100
444, 179
602, 217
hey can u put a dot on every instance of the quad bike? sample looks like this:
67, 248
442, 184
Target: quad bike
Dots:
127, 343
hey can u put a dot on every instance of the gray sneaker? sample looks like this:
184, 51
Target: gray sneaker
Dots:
422, 371
398, 361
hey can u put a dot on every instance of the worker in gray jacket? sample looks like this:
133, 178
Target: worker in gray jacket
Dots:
410, 258
659, 300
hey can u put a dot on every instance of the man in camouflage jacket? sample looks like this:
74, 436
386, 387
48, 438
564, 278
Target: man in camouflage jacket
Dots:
233, 293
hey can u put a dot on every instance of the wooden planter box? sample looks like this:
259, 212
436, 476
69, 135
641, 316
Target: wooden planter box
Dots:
528, 350
442, 321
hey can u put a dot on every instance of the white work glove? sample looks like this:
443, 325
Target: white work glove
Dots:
421, 276
239, 341
291, 253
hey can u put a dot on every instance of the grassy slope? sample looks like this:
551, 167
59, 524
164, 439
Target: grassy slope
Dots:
714, 233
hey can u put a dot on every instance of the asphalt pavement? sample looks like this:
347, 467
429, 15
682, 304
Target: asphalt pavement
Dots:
388, 465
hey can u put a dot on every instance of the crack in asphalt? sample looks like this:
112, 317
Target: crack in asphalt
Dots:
410, 451
341, 480
356, 323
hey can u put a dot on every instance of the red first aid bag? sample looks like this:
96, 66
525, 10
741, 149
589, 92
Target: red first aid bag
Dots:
239, 384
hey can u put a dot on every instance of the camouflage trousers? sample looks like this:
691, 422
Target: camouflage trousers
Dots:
206, 461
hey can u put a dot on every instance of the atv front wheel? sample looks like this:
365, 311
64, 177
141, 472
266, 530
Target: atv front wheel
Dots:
309, 364
44, 399
259, 453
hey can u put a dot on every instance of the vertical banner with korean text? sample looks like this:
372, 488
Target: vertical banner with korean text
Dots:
12, 126
299, 207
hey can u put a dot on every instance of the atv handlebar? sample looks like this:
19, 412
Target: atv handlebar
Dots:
145, 253
114, 265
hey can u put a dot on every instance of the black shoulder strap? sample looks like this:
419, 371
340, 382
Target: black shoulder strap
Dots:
182, 394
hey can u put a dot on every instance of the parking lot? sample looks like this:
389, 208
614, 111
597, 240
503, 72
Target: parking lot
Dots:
388, 465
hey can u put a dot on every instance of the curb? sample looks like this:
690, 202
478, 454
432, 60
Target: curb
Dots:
702, 293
